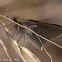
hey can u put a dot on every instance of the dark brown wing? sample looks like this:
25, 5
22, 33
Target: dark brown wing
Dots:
46, 30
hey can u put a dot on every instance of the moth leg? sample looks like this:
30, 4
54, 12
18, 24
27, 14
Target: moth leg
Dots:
14, 32
19, 39
9, 24
17, 31
24, 39
11, 28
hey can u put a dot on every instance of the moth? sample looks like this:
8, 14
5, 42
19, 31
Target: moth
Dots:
46, 30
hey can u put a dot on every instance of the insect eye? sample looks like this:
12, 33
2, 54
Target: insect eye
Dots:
15, 19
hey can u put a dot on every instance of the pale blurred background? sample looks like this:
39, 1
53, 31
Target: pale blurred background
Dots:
49, 11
